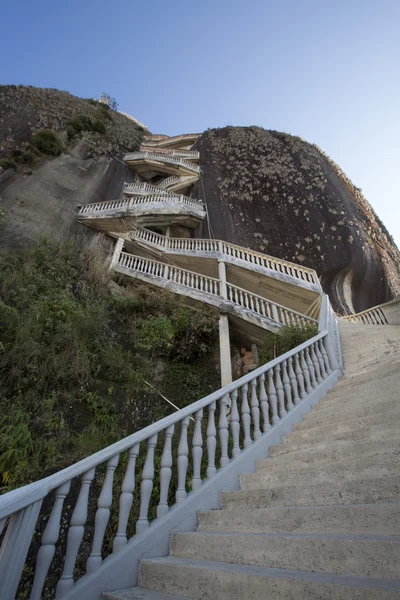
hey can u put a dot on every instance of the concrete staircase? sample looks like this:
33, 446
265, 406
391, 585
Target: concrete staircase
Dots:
320, 518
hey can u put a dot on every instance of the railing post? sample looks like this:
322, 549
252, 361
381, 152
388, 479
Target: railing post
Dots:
14, 548
275, 315
117, 251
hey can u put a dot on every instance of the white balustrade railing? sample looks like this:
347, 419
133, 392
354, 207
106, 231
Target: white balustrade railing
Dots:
251, 257
194, 281
266, 308
371, 316
169, 182
174, 153
127, 203
144, 188
153, 465
162, 158
209, 285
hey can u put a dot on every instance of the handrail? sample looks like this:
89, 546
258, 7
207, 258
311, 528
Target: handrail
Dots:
125, 203
175, 153
209, 285
374, 315
161, 158
24, 496
227, 248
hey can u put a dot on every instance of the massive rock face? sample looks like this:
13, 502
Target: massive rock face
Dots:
283, 196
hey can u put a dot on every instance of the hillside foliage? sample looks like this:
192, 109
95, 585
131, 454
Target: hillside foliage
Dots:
75, 358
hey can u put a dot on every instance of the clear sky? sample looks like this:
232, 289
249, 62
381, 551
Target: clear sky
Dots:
326, 70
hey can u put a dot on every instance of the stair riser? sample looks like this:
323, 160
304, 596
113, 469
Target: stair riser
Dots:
353, 557
322, 494
207, 584
299, 442
317, 474
375, 519
332, 454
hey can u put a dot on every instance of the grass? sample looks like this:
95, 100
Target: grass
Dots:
8, 163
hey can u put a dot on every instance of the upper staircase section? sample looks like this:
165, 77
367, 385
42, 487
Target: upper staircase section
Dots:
169, 168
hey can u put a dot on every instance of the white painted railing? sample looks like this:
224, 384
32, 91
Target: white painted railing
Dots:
252, 257
194, 281
169, 182
126, 203
208, 285
144, 188
266, 308
162, 158
371, 316
259, 402
174, 153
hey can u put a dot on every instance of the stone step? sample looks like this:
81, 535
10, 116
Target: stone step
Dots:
139, 594
377, 391
207, 580
340, 492
364, 556
324, 427
374, 519
358, 469
335, 452
351, 432
334, 416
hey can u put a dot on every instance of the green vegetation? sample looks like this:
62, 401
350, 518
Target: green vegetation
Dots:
84, 123
74, 358
47, 142
8, 163
289, 337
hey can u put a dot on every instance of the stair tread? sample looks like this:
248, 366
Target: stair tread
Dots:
321, 536
138, 593
307, 576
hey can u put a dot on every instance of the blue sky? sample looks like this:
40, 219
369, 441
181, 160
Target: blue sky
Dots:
327, 71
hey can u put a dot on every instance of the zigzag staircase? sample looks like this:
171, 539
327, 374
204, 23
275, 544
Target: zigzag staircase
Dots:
317, 519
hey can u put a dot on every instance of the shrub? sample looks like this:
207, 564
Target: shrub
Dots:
98, 126
8, 163
288, 338
47, 142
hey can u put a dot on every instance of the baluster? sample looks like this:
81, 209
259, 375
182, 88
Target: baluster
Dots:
245, 410
287, 387
165, 472
126, 499
273, 397
235, 424
255, 410
183, 451
320, 359
197, 450
211, 440
48, 541
315, 362
280, 392
223, 430
102, 516
306, 373
310, 366
146, 487
75, 534
264, 404
325, 357
293, 382
251, 303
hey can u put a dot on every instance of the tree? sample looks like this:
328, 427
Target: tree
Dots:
107, 99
